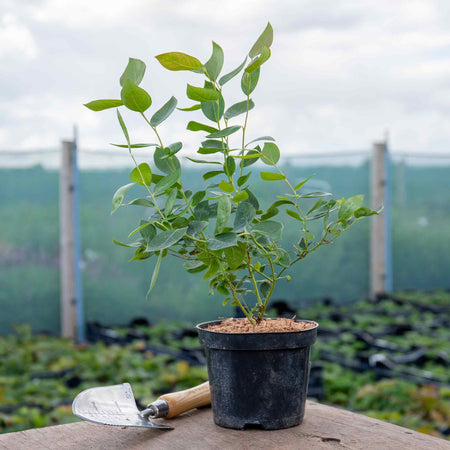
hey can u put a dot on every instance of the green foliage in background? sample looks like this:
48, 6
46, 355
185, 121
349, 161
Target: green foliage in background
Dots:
222, 230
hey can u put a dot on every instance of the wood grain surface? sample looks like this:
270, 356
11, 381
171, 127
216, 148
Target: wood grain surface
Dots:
324, 427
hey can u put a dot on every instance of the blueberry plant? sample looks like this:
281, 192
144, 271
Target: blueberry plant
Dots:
221, 230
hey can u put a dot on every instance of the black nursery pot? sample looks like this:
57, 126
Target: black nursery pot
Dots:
258, 379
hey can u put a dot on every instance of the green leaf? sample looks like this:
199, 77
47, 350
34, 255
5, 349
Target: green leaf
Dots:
140, 202
197, 198
214, 267
235, 255
214, 144
196, 126
167, 181
363, 211
222, 241
316, 205
240, 197
203, 161
252, 199
164, 162
134, 71
208, 151
271, 176
223, 213
175, 147
191, 108
196, 227
179, 61
214, 64
315, 194
270, 154
202, 211
123, 126
164, 112
202, 94
226, 78
142, 175
225, 132
225, 186
155, 273
146, 229
349, 207
265, 39
120, 195
136, 244
134, 145
257, 63
293, 214
134, 97
100, 105
262, 138
265, 288
239, 108
249, 81
250, 158
245, 213
269, 228
243, 179
213, 110
271, 212
166, 239
299, 185
170, 201
212, 174
230, 166
282, 257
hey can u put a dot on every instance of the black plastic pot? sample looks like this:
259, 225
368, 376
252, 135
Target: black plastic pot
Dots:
258, 379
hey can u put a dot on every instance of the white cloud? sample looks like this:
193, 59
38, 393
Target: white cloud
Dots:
341, 73
16, 40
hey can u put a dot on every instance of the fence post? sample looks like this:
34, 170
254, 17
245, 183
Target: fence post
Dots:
72, 320
67, 257
380, 235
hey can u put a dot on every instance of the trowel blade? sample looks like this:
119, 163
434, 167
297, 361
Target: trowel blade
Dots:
111, 405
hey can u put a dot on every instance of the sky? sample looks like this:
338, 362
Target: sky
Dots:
342, 73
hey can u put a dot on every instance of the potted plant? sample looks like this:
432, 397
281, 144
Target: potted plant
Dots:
258, 368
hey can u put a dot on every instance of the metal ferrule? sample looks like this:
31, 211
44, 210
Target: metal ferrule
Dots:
157, 409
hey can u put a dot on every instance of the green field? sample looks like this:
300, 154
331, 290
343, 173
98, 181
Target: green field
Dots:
114, 289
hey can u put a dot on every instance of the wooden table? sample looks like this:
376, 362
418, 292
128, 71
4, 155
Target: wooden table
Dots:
324, 427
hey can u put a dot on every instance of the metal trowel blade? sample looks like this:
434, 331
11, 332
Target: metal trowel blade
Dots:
111, 405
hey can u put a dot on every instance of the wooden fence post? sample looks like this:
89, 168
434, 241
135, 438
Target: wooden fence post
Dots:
380, 236
67, 256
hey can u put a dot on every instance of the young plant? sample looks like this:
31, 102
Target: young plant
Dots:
221, 231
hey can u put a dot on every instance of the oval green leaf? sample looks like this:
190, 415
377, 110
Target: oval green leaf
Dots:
271, 176
100, 105
142, 175
239, 108
134, 71
270, 154
202, 94
134, 97
162, 114
179, 61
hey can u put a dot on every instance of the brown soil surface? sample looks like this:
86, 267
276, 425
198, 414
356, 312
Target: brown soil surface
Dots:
279, 325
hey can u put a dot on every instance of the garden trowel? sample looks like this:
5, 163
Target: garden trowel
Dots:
116, 405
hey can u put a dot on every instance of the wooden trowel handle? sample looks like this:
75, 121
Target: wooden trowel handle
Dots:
182, 401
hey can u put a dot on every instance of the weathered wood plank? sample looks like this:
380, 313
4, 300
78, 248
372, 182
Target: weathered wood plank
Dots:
324, 427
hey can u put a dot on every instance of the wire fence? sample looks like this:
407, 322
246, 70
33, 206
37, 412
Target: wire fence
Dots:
114, 290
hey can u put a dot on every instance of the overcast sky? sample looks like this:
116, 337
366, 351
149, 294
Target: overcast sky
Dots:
341, 72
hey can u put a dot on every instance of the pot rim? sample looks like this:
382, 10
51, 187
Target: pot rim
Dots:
201, 326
